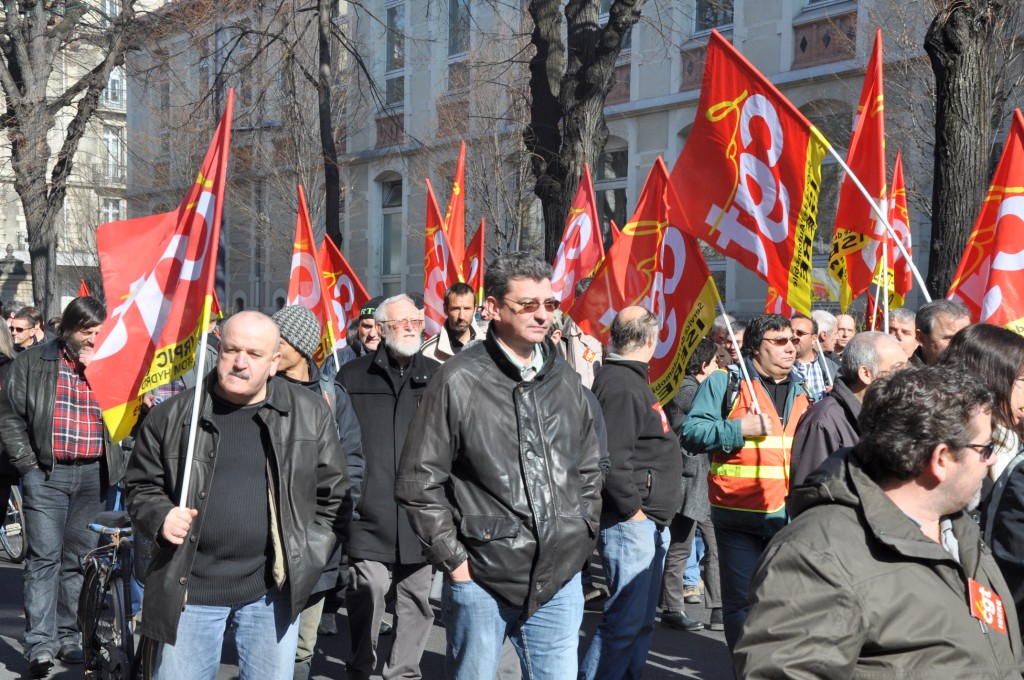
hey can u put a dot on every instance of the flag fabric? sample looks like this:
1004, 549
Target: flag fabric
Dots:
473, 264
899, 277
747, 180
582, 248
615, 231
342, 287
440, 268
83, 290
874, 314
858, 233
158, 277
776, 304
305, 283
990, 279
659, 266
455, 216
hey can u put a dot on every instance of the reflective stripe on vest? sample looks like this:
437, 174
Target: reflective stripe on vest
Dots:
755, 478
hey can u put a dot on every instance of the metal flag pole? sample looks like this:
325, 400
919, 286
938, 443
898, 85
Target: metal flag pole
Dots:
190, 450
755, 407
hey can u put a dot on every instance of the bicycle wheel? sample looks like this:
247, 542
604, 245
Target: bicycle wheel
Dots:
12, 534
106, 630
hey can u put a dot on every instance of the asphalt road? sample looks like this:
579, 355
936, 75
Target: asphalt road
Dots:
674, 654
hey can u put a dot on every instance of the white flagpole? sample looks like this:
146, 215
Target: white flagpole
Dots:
885, 289
755, 407
200, 366
822, 362
884, 220
874, 314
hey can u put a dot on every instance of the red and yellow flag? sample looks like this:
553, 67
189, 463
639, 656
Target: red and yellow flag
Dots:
748, 177
305, 284
83, 290
343, 289
455, 216
582, 248
858, 232
899, 278
473, 264
659, 266
440, 268
158, 277
990, 280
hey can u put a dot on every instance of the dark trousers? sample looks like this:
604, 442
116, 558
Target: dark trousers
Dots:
683, 530
58, 509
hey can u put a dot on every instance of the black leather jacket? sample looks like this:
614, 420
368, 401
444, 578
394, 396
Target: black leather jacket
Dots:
26, 413
504, 473
309, 484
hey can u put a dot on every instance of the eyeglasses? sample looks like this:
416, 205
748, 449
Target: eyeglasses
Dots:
404, 323
15, 329
531, 306
986, 450
803, 334
782, 342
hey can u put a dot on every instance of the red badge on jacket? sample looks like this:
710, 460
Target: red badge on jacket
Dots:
987, 606
664, 420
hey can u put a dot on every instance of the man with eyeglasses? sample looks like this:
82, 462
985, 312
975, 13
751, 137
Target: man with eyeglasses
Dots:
882, 573
500, 479
750, 447
810, 365
26, 328
386, 559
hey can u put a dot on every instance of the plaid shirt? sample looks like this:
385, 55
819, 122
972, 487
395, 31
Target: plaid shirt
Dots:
77, 420
811, 374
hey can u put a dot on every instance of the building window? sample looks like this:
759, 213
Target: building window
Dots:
392, 236
394, 58
712, 14
109, 10
111, 210
458, 27
113, 94
610, 186
113, 159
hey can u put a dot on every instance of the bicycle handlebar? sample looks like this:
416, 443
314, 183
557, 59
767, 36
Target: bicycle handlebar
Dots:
110, 531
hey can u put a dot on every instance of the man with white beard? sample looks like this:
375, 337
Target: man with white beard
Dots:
385, 556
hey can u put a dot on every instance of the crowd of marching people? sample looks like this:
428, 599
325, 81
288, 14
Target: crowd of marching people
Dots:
859, 496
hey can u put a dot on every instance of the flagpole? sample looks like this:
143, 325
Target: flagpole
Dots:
200, 366
874, 312
822, 362
882, 218
885, 288
756, 408
337, 366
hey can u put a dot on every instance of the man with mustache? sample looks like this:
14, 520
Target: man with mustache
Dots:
53, 433
459, 328
386, 559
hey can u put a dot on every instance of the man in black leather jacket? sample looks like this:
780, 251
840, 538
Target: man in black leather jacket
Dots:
500, 479
260, 515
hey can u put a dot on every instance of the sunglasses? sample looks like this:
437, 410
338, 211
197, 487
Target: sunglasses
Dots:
531, 306
986, 450
782, 342
15, 329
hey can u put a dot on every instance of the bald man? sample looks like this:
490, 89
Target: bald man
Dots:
260, 517
642, 494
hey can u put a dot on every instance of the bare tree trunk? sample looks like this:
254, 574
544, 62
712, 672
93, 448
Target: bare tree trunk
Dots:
332, 174
961, 43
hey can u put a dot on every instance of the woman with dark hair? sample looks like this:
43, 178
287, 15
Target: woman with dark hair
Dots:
8, 474
996, 355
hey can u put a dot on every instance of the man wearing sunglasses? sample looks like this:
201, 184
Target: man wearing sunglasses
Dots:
500, 479
882, 573
750, 445
26, 328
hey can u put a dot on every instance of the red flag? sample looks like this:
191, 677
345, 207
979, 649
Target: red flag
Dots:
440, 268
858, 233
158, 277
616, 232
305, 283
473, 265
343, 287
83, 290
874, 311
747, 180
776, 304
657, 265
455, 216
990, 280
581, 249
899, 217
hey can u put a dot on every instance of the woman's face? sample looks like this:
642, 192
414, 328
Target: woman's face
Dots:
1017, 398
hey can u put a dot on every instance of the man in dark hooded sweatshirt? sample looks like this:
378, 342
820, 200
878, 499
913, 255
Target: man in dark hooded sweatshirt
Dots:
300, 336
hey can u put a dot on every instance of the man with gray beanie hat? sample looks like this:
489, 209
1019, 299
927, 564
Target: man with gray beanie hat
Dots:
300, 336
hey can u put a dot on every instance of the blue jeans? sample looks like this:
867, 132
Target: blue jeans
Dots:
58, 509
692, 574
477, 624
634, 561
265, 635
738, 553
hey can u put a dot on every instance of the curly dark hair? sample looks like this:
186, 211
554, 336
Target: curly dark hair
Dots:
908, 413
703, 353
757, 327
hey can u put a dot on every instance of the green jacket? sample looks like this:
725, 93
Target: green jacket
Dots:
853, 589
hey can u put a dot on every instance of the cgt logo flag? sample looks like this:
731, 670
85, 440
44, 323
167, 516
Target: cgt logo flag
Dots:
858, 234
473, 265
659, 266
455, 216
748, 177
990, 280
440, 268
305, 284
899, 278
158, 277
343, 289
581, 249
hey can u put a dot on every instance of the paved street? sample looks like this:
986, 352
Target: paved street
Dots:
675, 654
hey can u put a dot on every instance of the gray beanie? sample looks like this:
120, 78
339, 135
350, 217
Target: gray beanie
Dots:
299, 328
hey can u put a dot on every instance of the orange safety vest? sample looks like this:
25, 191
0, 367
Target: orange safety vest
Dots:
756, 477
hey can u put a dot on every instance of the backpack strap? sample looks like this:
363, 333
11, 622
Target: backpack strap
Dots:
732, 391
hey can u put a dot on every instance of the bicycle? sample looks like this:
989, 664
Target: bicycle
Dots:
105, 605
12, 533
